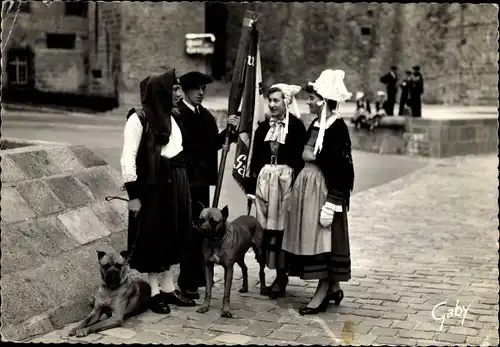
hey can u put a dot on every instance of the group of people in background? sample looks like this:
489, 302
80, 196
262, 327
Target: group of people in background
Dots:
412, 88
302, 183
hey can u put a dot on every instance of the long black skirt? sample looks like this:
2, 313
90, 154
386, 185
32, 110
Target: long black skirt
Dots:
192, 274
160, 235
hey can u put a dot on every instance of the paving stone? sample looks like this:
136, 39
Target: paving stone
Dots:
69, 191
83, 225
40, 198
378, 331
386, 340
228, 328
35, 164
315, 340
462, 331
14, 207
450, 338
119, 333
86, 157
424, 335
234, 339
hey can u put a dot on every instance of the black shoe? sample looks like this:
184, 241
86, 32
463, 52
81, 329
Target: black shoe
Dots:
336, 296
157, 304
176, 298
321, 308
279, 292
188, 294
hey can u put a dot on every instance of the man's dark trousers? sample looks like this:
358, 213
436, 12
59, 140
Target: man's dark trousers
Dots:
192, 274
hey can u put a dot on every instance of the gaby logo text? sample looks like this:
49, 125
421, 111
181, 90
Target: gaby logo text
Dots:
441, 314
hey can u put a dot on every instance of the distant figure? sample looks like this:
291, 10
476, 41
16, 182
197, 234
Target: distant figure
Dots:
416, 91
362, 103
391, 82
405, 90
381, 104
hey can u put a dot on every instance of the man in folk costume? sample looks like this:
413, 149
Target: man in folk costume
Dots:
155, 171
276, 160
203, 142
316, 241
405, 90
416, 91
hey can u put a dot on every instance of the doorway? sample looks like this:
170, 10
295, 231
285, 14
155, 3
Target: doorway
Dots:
215, 23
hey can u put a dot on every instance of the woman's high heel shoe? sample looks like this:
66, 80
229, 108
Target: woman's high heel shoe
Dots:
321, 308
336, 296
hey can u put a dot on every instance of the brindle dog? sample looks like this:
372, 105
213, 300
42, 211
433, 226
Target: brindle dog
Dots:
226, 243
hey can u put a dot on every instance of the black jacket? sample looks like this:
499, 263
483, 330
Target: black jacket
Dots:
202, 142
335, 161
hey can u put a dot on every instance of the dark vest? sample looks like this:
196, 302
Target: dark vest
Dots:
149, 155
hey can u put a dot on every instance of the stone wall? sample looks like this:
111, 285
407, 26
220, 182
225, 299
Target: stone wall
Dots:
54, 218
153, 38
298, 40
61, 70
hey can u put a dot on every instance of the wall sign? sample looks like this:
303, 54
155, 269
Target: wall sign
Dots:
200, 44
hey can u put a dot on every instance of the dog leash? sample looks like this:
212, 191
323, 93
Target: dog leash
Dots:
111, 198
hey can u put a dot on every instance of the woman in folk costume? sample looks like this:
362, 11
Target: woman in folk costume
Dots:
316, 241
277, 159
155, 171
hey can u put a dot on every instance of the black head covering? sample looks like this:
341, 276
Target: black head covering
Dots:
194, 79
156, 99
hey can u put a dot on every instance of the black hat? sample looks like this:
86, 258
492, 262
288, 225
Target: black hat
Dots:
416, 68
194, 79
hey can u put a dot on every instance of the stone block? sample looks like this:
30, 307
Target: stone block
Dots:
99, 182
37, 325
40, 198
23, 297
114, 220
17, 252
35, 164
47, 234
10, 171
14, 207
71, 311
83, 225
86, 157
69, 191
118, 240
59, 279
64, 158
467, 133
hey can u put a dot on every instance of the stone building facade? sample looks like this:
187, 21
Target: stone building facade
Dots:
68, 48
456, 46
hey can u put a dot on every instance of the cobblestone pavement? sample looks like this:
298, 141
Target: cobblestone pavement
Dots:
424, 239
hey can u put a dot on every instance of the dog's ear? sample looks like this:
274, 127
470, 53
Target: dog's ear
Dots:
100, 254
225, 212
124, 254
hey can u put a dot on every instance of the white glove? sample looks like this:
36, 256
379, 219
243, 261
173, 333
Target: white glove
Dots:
327, 214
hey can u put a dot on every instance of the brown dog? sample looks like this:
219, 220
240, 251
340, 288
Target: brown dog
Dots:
118, 297
225, 244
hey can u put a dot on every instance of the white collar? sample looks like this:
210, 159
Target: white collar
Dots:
191, 107
329, 121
